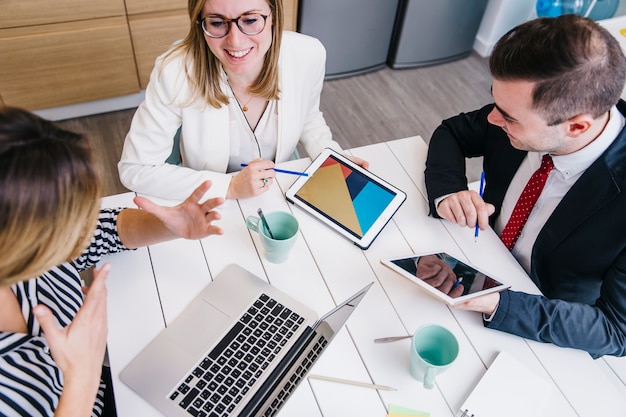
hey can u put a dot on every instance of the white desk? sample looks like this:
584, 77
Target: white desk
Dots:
150, 286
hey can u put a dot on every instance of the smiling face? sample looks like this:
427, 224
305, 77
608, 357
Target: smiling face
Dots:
525, 127
241, 55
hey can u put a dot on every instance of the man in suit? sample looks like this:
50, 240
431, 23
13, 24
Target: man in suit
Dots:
556, 89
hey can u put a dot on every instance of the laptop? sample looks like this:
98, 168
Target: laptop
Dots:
238, 349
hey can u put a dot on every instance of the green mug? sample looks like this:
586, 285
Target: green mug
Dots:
433, 349
284, 231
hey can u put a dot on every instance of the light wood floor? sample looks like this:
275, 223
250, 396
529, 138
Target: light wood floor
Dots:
378, 106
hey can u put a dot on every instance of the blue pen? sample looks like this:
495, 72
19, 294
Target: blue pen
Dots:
457, 282
482, 187
285, 171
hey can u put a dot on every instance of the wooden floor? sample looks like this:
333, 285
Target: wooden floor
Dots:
378, 106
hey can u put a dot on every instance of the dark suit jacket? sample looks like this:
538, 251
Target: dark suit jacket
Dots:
579, 258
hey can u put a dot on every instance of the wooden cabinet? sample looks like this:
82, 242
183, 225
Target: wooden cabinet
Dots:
291, 14
20, 13
73, 51
52, 65
152, 35
67, 51
154, 26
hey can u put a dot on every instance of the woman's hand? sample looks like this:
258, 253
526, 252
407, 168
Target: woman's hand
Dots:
252, 180
78, 349
360, 162
190, 219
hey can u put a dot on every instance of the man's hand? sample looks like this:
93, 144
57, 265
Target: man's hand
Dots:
465, 208
486, 304
438, 274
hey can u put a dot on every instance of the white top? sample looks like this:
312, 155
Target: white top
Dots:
567, 170
206, 131
250, 142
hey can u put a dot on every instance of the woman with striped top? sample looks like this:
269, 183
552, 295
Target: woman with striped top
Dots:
52, 330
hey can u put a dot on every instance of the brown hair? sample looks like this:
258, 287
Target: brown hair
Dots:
577, 65
203, 69
49, 195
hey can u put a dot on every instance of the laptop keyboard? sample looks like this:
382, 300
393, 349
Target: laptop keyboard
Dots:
295, 378
216, 385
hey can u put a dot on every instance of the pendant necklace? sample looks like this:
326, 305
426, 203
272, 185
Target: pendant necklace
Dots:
243, 107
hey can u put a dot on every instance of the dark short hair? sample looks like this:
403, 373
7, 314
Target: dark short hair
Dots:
49, 195
577, 65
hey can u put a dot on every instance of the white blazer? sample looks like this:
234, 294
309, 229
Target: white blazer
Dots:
205, 141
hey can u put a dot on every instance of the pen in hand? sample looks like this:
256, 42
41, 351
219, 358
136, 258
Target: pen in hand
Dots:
457, 282
480, 192
285, 171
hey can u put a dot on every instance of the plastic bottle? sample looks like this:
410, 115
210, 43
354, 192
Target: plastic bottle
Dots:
594, 9
552, 8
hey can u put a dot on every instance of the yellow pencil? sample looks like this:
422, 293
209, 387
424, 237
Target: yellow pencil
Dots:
349, 382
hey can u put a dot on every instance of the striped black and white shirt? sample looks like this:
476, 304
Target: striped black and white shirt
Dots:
30, 381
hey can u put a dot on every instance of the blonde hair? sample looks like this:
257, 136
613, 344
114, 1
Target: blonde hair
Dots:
204, 71
49, 195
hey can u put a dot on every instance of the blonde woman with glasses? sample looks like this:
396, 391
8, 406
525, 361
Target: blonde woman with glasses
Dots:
237, 90
52, 337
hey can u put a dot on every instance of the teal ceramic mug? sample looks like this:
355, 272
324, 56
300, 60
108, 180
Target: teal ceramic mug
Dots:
433, 349
284, 231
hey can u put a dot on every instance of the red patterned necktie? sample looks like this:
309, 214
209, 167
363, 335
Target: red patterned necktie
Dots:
526, 202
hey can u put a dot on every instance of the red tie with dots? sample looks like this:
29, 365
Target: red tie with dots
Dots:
526, 202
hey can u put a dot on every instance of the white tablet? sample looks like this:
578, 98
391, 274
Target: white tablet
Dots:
346, 197
445, 277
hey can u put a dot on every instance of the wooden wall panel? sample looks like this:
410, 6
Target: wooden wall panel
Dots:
151, 6
70, 63
154, 34
17, 13
291, 14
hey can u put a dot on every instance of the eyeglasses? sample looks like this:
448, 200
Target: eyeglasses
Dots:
216, 26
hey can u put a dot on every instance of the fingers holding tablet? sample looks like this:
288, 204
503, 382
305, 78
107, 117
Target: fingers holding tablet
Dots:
445, 277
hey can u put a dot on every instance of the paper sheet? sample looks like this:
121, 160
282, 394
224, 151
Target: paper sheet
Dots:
508, 388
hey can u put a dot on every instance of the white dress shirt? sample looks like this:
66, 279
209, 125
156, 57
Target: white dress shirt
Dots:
251, 142
567, 170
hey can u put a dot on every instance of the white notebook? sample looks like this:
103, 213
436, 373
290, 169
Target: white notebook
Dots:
507, 389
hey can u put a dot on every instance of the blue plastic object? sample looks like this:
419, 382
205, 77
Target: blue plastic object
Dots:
601, 9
